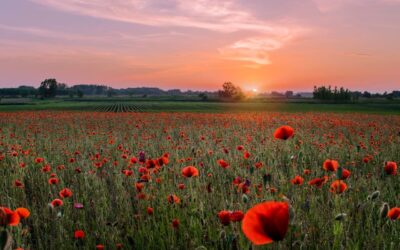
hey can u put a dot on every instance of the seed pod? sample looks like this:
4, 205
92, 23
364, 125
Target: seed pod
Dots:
375, 195
384, 210
245, 198
340, 216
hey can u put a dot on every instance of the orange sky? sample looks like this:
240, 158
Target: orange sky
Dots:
199, 44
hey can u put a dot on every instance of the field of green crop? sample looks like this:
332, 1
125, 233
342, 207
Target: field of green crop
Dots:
120, 180
126, 105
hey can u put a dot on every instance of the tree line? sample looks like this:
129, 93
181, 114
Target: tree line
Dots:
50, 88
341, 94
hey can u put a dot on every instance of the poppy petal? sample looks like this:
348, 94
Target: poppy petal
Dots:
266, 222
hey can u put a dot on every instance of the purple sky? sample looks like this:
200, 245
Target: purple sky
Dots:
199, 44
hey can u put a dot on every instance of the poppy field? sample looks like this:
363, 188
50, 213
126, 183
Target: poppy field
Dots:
96, 180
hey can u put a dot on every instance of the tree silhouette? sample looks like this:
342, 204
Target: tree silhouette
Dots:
48, 88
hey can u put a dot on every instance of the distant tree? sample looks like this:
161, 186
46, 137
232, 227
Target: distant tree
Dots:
48, 88
366, 94
203, 96
71, 94
327, 94
396, 94
79, 93
110, 92
230, 91
289, 94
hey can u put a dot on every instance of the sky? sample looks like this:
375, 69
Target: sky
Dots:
269, 45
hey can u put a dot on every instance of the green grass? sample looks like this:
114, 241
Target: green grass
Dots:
197, 106
115, 211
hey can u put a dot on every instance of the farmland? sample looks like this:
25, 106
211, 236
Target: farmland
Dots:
158, 104
119, 179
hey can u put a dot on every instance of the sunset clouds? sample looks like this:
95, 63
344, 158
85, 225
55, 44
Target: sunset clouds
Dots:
168, 43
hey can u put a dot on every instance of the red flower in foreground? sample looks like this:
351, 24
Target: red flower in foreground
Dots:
330, 165
23, 212
318, 182
190, 171
173, 199
150, 211
223, 164
224, 217
345, 174
65, 193
394, 213
8, 217
79, 234
236, 216
284, 132
57, 203
298, 180
175, 223
99, 247
266, 222
391, 168
338, 187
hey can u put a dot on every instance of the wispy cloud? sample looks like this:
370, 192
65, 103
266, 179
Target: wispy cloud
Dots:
256, 50
331, 5
222, 16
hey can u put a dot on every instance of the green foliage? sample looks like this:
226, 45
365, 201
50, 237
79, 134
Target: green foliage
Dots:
113, 212
336, 95
48, 88
232, 92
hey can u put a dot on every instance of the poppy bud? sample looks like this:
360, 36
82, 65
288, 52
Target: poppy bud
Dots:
340, 216
374, 195
245, 198
384, 210
175, 223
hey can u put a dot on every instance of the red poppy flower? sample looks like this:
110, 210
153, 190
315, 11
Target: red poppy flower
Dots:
18, 184
79, 234
345, 174
39, 160
394, 213
284, 132
9, 217
246, 155
57, 203
223, 164
258, 164
99, 247
150, 211
175, 223
298, 180
65, 193
338, 187
318, 182
190, 171
224, 217
236, 216
23, 212
266, 222
53, 181
391, 168
139, 186
330, 165
173, 199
